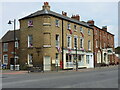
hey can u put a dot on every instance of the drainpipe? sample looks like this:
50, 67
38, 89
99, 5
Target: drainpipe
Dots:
62, 44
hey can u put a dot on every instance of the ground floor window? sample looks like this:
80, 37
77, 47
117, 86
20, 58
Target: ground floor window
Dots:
68, 58
57, 58
5, 59
80, 58
87, 59
30, 58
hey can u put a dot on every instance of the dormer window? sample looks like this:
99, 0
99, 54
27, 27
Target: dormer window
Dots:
30, 23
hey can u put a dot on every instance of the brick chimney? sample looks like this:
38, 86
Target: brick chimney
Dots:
46, 6
64, 13
76, 17
104, 28
90, 22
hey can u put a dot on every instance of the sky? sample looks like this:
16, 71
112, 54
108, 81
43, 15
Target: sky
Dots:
103, 13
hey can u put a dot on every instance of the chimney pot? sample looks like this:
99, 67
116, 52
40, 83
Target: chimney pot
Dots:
90, 22
46, 6
64, 13
104, 28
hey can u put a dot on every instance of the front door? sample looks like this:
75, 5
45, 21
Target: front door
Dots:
47, 63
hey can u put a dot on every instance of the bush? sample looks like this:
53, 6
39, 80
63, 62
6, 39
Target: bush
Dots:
104, 64
23, 67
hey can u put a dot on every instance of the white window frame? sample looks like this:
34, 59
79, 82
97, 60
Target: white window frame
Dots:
68, 26
4, 59
96, 43
89, 45
16, 44
69, 46
57, 42
87, 59
29, 24
29, 41
75, 36
81, 57
29, 59
81, 29
57, 59
82, 43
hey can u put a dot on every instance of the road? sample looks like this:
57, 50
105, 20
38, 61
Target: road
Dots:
91, 78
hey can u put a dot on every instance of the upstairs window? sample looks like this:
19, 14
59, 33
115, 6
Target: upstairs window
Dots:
81, 29
89, 45
57, 23
5, 46
16, 44
30, 41
104, 45
30, 23
81, 42
68, 26
96, 43
75, 27
69, 41
75, 42
88, 31
57, 40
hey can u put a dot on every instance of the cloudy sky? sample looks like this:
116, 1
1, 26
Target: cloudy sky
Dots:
103, 13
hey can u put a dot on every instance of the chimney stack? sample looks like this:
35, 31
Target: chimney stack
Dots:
104, 28
46, 6
64, 13
90, 22
76, 17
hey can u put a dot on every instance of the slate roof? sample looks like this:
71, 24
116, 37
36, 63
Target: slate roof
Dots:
49, 12
9, 36
98, 28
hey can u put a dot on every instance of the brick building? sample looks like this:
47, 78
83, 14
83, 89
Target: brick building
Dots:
103, 45
8, 48
50, 39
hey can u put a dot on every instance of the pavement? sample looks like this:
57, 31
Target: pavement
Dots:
79, 70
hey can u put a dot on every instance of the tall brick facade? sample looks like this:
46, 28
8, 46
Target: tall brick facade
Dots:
103, 45
48, 32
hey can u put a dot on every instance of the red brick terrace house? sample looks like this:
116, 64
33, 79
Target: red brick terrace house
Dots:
103, 45
8, 48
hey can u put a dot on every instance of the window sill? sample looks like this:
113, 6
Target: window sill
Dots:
46, 24
57, 26
30, 26
75, 30
46, 46
30, 47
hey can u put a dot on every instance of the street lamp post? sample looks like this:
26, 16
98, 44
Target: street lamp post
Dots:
76, 60
14, 24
